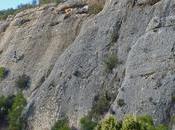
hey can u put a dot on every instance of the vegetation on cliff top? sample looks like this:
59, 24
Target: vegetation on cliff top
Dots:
5, 13
49, 1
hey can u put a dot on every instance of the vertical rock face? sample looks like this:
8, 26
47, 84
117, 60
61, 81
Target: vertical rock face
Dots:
64, 51
148, 86
32, 41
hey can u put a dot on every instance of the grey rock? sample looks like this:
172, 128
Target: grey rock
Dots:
3, 26
64, 49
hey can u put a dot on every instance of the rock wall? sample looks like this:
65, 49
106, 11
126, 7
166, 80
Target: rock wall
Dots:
148, 86
64, 53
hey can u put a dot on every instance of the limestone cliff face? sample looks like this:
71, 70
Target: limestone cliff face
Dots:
64, 53
32, 41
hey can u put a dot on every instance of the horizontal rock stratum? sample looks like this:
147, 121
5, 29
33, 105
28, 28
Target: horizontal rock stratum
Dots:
63, 49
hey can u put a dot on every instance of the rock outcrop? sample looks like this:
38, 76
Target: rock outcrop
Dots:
63, 48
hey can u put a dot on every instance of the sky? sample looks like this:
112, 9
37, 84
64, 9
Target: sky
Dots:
5, 4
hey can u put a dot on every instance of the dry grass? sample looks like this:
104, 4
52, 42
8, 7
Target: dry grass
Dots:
95, 6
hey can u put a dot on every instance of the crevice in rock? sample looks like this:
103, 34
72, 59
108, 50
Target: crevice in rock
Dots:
147, 2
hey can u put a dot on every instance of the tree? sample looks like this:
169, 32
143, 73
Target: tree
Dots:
14, 115
34, 3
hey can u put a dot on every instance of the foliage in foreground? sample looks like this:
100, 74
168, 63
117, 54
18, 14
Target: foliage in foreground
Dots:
5, 106
14, 115
11, 108
86, 123
62, 124
100, 107
129, 123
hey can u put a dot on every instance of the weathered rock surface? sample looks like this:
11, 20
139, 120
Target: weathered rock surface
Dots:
148, 86
39, 36
63, 51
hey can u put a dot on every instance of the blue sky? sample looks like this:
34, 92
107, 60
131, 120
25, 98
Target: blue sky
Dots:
5, 4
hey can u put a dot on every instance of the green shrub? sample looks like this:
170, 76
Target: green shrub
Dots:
114, 37
57, 1
1, 51
161, 127
2, 72
5, 13
61, 125
49, 1
14, 115
5, 106
173, 99
130, 123
146, 119
23, 81
3, 109
173, 119
44, 1
146, 122
110, 63
95, 8
86, 123
120, 102
100, 106
109, 123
